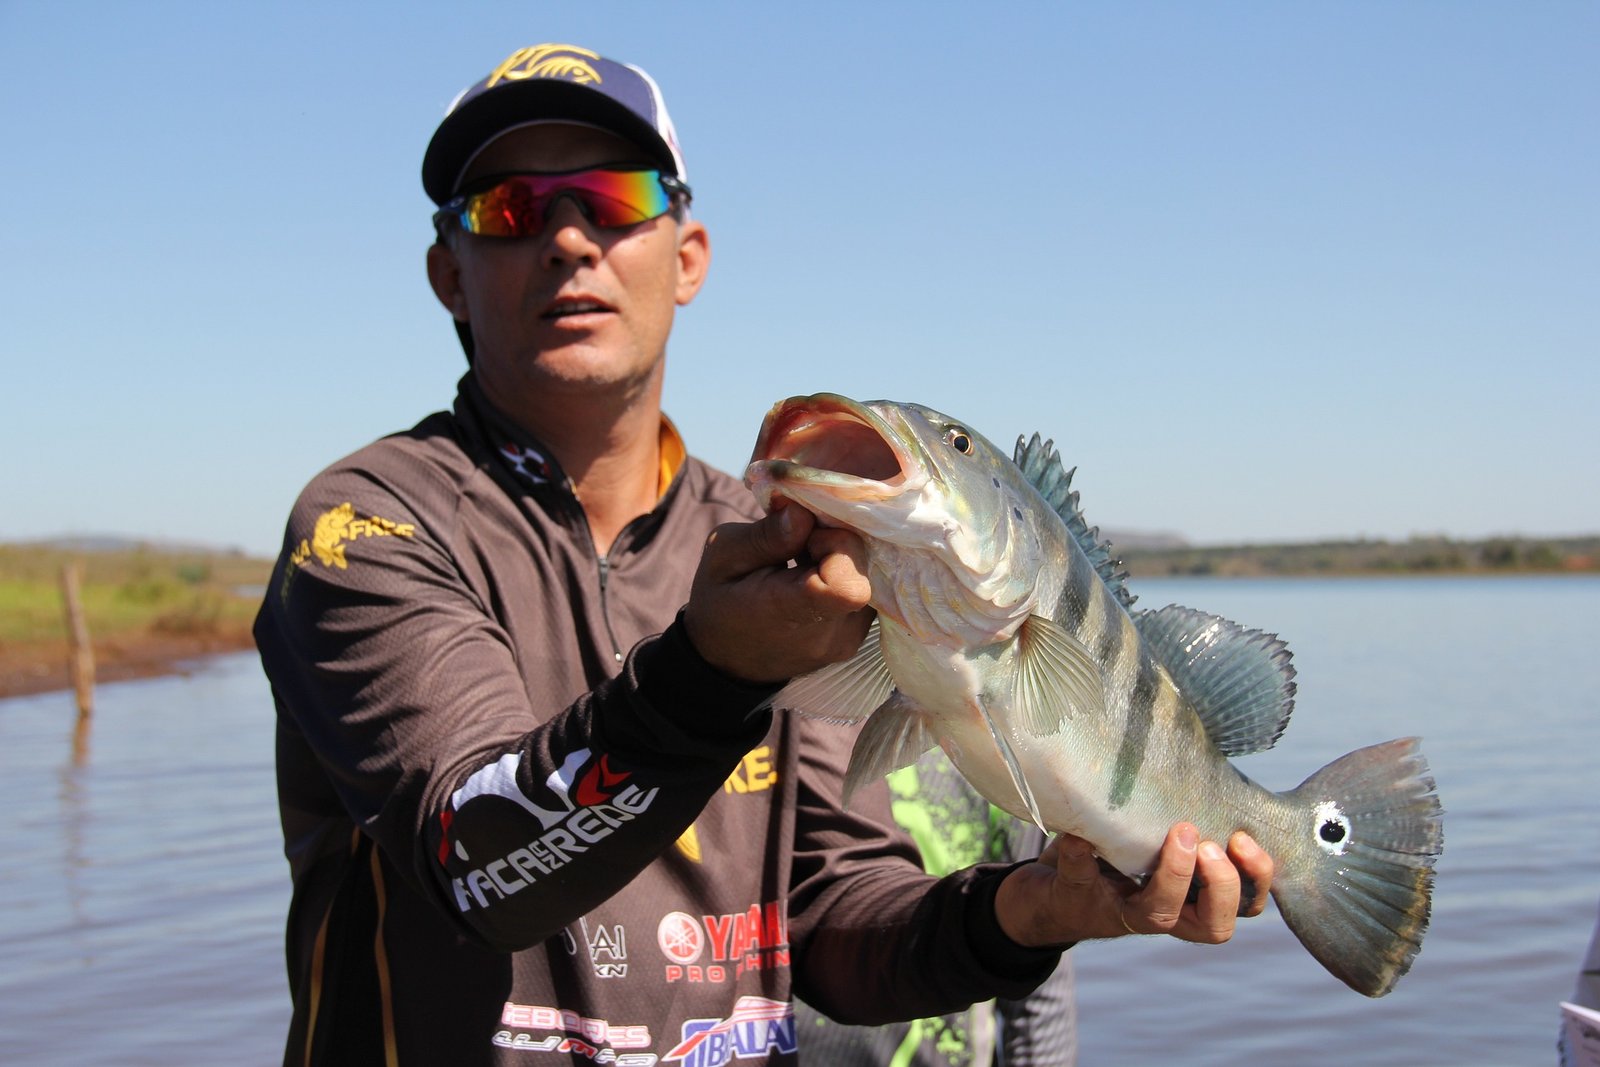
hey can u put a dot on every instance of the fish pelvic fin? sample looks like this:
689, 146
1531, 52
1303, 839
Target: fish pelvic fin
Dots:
845, 692
895, 736
1008, 756
1041, 466
1055, 678
1356, 882
1240, 682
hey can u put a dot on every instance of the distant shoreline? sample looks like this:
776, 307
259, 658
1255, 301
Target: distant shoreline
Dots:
41, 666
150, 612
1421, 556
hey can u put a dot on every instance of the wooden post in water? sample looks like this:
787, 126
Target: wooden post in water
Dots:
80, 655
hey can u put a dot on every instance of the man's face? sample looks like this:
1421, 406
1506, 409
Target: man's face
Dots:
576, 307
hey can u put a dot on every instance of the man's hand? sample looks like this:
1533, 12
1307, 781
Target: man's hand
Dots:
754, 617
1067, 896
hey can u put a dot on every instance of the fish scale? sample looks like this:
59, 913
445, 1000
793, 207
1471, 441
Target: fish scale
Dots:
1004, 636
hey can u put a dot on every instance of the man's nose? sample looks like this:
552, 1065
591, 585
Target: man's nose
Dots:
568, 235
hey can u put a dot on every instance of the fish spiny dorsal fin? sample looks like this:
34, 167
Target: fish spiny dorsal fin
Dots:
1041, 466
1240, 682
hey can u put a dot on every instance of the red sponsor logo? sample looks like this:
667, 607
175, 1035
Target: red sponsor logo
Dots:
755, 939
680, 937
599, 784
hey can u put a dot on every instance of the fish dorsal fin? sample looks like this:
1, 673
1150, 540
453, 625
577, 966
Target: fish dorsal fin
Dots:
1239, 681
845, 692
1055, 678
896, 735
1041, 466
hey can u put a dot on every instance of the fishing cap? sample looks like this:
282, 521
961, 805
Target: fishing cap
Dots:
550, 83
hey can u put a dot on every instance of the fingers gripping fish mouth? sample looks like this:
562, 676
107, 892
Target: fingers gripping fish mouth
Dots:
829, 452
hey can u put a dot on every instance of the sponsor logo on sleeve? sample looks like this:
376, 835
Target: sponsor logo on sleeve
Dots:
333, 529
719, 948
338, 525
588, 799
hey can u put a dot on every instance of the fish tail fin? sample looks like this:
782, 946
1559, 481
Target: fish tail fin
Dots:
1357, 890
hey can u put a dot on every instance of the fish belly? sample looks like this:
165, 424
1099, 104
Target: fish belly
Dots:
1119, 789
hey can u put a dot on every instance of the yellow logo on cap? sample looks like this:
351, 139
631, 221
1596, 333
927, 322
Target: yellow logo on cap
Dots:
547, 61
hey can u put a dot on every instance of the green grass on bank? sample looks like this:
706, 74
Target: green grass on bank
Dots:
128, 591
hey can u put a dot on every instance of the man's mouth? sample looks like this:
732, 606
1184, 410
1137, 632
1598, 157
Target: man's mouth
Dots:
564, 308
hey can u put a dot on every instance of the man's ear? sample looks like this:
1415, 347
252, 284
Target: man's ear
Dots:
694, 259
444, 274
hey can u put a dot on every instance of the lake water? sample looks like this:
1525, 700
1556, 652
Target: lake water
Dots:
144, 887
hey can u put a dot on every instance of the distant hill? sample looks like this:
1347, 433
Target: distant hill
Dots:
1144, 540
110, 543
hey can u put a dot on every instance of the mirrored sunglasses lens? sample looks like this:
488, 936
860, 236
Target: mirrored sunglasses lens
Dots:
623, 197
509, 209
517, 206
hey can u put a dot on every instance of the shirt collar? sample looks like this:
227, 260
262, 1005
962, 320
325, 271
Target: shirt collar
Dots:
532, 463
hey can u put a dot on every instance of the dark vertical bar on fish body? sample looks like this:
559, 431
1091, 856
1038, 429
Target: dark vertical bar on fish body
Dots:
1078, 590
1136, 736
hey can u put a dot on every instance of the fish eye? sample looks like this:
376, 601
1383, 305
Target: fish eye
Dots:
959, 439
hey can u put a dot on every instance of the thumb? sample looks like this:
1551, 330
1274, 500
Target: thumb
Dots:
1074, 860
778, 537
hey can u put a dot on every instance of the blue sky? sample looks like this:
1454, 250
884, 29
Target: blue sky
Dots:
1264, 271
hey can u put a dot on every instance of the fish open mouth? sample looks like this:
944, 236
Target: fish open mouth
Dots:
830, 443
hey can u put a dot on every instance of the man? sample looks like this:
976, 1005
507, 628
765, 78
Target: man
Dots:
533, 797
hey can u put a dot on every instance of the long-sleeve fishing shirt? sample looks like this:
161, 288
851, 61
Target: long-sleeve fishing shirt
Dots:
527, 824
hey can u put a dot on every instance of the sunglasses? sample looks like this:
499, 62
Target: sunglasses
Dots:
516, 205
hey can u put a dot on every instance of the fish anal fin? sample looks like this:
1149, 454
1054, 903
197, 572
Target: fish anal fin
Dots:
843, 692
1240, 682
894, 736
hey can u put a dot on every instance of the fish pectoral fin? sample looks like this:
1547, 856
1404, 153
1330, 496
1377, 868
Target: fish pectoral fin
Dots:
843, 692
1056, 678
895, 736
1008, 756
1240, 682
